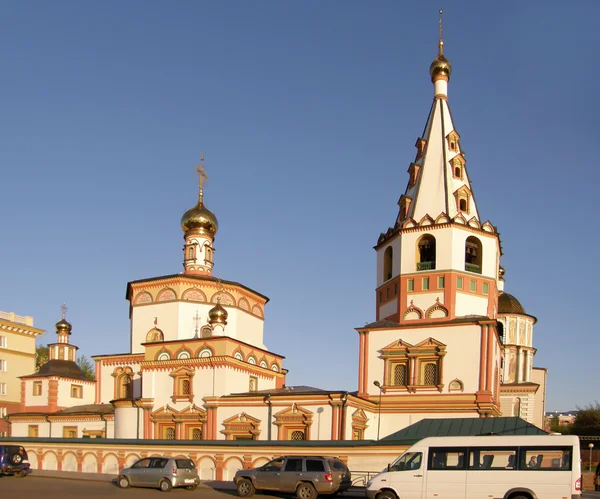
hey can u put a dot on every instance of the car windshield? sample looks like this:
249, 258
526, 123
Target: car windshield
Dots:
274, 465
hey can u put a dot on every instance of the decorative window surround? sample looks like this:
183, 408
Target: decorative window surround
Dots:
415, 359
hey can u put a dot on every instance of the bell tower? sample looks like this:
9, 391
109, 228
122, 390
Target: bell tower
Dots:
440, 260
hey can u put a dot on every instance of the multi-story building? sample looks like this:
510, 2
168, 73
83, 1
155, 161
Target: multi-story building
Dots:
17, 358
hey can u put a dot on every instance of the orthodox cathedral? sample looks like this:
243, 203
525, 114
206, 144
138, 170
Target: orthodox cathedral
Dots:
447, 340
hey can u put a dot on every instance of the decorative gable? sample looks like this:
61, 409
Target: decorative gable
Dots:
452, 139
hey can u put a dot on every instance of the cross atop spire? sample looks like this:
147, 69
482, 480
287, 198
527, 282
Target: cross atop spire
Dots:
63, 309
202, 177
441, 42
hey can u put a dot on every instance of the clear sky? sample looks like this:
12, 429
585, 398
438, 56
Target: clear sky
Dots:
308, 113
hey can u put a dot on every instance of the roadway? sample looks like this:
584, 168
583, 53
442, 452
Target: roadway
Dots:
78, 486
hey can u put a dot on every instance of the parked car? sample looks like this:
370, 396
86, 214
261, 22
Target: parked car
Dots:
306, 476
14, 460
160, 472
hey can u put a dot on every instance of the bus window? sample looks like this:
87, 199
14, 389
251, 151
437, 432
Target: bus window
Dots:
546, 458
492, 458
447, 459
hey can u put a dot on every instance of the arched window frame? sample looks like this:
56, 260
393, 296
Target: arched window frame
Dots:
473, 255
183, 384
426, 252
388, 262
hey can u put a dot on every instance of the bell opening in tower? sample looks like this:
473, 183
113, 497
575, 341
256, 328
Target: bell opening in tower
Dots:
426, 253
473, 254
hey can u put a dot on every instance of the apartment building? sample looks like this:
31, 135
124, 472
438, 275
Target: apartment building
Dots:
17, 358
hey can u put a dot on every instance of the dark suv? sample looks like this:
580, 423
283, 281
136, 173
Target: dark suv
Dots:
307, 476
14, 460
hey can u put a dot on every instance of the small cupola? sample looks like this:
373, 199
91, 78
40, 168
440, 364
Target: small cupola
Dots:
63, 327
217, 314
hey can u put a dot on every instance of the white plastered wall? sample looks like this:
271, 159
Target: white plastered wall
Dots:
36, 400
460, 362
64, 392
396, 247
450, 250
177, 321
107, 382
207, 382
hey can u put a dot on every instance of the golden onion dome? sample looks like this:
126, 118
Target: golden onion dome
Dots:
440, 66
62, 326
200, 217
218, 315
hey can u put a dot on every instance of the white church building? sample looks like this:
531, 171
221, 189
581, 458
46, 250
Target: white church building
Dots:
447, 341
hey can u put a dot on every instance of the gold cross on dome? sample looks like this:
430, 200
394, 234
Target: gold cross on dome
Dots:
202, 176
63, 309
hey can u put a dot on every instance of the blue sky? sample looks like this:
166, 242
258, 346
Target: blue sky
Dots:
308, 113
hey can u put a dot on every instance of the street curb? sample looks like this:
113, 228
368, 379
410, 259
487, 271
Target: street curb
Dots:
73, 475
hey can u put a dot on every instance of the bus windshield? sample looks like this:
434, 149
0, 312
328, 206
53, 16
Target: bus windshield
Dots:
407, 461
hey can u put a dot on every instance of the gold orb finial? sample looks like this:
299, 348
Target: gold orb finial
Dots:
440, 67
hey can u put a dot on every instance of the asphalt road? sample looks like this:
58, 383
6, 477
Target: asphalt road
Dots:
35, 487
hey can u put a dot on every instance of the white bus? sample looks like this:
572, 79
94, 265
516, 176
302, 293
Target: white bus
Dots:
484, 467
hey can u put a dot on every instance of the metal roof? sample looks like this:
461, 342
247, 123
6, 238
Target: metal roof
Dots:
457, 427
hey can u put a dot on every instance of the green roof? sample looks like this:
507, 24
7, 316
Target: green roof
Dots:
458, 427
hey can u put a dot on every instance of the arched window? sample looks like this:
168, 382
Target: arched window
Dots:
191, 253
388, 258
400, 374
457, 173
473, 255
430, 374
500, 329
197, 434
517, 407
170, 433
125, 387
426, 253
462, 204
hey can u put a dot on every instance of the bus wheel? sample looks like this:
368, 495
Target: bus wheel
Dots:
388, 494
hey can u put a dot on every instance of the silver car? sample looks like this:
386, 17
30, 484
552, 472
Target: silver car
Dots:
159, 472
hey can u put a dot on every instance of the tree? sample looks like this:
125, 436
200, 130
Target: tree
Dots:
587, 421
86, 366
41, 356
556, 427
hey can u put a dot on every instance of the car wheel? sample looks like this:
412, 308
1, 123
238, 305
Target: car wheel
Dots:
16, 459
192, 487
386, 494
245, 488
165, 485
306, 491
123, 482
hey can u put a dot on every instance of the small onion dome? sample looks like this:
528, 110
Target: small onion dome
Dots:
217, 315
508, 304
440, 66
199, 217
154, 334
62, 326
